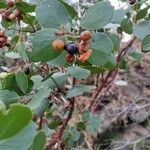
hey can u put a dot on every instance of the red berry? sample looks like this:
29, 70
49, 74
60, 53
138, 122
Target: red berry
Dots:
58, 44
2, 34
10, 3
70, 58
85, 36
18, 14
4, 16
3, 40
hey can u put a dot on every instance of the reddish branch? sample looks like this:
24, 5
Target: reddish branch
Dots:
58, 135
40, 123
111, 75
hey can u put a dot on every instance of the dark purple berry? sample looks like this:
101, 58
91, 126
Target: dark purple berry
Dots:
71, 48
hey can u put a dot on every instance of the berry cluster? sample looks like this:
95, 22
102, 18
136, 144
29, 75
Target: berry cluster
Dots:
132, 2
10, 13
78, 50
3, 40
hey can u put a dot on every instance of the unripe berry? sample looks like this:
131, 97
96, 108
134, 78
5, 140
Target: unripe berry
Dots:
82, 47
58, 44
5, 16
85, 36
18, 14
3, 40
71, 48
70, 58
10, 3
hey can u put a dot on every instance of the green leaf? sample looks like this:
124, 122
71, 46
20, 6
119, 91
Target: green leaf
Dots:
38, 98
146, 44
142, 29
8, 97
86, 115
22, 51
14, 120
90, 130
2, 106
141, 14
70, 9
111, 63
78, 73
102, 43
81, 125
115, 40
20, 141
94, 69
22, 81
6, 24
79, 90
2, 4
37, 79
136, 56
75, 135
59, 61
39, 141
11, 84
25, 7
54, 14
57, 79
102, 47
94, 121
44, 105
119, 15
127, 26
97, 16
41, 46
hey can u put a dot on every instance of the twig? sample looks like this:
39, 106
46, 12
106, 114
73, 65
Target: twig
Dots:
40, 123
58, 135
111, 74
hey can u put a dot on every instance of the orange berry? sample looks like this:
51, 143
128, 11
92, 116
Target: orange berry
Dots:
70, 58
84, 56
85, 36
58, 45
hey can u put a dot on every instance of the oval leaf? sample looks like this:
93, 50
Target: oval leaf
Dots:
98, 16
79, 90
78, 73
22, 81
20, 141
146, 44
15, 119
54, 14
142, 29
41, 46
39, 141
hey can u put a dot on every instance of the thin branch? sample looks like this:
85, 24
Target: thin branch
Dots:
58, 135
111, 74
